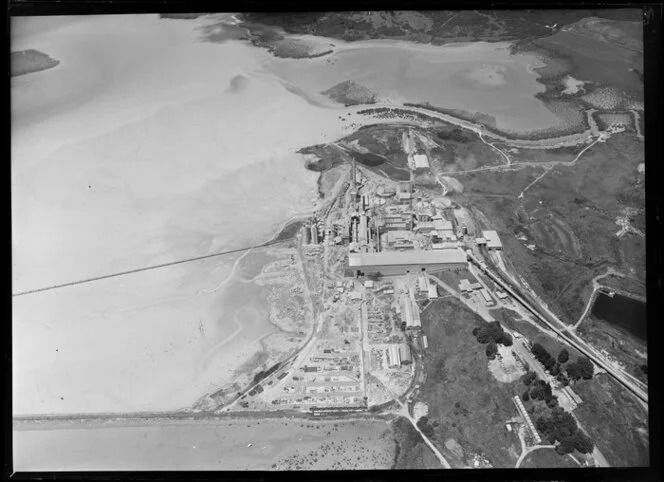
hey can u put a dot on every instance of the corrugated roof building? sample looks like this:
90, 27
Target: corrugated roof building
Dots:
492, 240
404, 354
394, 358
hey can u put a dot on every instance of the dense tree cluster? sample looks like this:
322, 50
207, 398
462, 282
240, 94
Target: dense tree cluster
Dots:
491, 350
581, 368
492, 333
543, 356
424, 425
562, 379
541, 390
562, 427
529, 378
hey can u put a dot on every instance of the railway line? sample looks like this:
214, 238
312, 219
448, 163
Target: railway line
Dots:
571, 339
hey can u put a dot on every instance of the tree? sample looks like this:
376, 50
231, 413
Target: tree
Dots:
563, 356
491, 350
483, 335
529, 378
537, 350
573, 371
582, 442
556, 369
537, 393
475, 330
506, 339
562, 379
549, 363
490, 332
525, 396
552, 402
566, 446
425, 427
586, 367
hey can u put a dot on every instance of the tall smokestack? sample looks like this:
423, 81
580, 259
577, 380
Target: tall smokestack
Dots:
353, 175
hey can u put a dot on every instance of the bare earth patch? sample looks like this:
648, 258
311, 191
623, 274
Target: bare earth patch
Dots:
505, 367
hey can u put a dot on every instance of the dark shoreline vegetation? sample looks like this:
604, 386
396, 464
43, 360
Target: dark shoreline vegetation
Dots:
489, 124
28, 61
182, 16
434, 27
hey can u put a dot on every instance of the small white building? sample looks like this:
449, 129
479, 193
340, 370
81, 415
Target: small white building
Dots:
492, 240
442, 225
464, 286
487, 297
421, 161
432, 291
404, 354
393, 357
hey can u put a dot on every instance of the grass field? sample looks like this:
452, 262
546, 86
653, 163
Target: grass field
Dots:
463, 397
588, 197
547, 458
615, 421
616, 342
513, 321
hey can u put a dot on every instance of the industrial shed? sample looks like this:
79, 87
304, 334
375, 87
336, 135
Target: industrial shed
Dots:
401, 262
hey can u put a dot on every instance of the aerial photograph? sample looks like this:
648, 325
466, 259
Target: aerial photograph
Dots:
328, 241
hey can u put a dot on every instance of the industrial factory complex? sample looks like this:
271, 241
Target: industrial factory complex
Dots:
392, 231
375, 248
371, 254
375, 257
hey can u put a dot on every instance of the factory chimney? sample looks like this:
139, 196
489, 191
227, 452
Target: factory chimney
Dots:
354, 175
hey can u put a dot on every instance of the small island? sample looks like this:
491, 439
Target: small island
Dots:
351, 93
29, 61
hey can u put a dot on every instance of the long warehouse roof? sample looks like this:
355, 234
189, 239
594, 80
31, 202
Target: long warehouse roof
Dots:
439, 256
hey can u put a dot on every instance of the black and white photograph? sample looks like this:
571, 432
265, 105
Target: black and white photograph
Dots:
321, 241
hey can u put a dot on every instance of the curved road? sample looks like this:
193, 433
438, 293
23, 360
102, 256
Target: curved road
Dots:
554, 142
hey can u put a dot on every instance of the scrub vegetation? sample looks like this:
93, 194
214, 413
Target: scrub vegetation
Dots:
588, 196
436, 27
28, 61
468, 407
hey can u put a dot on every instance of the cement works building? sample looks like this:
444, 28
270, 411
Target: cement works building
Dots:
389, 263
